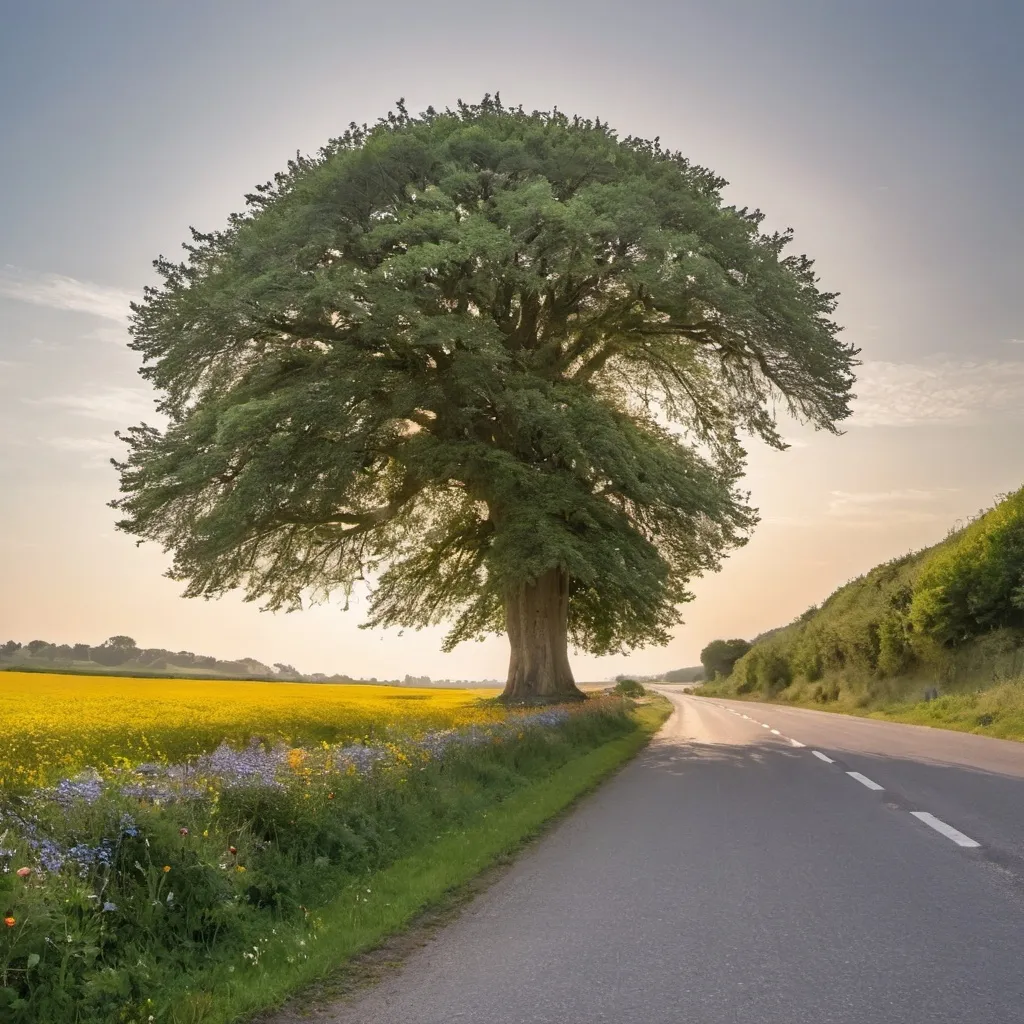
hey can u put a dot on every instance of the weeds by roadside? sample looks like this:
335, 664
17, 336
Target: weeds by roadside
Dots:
142, 887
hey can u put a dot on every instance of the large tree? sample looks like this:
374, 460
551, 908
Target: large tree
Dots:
495, 364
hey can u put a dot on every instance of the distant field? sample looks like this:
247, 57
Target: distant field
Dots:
53, 724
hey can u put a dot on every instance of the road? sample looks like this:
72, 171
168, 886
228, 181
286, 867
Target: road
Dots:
736, 874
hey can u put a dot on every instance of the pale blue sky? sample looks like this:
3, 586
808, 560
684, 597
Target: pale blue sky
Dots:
888, 134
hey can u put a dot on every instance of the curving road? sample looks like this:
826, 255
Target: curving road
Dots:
755, 865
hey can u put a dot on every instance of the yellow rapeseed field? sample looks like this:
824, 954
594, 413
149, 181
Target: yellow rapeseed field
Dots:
52, 724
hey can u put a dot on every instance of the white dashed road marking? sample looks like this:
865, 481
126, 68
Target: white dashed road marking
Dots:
864, 780
764, 725
947, 830
953, 834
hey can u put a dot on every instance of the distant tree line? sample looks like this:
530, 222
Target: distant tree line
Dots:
717, 659
123, 654
693, 674
677, 675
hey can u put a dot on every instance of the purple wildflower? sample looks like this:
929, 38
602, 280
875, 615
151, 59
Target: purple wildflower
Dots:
252, 766
87, 788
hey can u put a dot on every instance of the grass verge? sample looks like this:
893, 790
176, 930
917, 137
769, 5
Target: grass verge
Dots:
996, 711
366, 912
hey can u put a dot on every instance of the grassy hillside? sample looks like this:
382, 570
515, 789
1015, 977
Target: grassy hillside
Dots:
948, 618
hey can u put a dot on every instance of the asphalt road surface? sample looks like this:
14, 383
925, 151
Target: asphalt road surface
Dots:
755, 864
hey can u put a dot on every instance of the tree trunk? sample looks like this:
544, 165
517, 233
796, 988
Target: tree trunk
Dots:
536, 618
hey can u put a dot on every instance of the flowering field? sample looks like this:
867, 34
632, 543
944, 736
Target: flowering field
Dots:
55, 724
161, 838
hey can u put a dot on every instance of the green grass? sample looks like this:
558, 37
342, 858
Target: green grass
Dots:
367, 911
996, 711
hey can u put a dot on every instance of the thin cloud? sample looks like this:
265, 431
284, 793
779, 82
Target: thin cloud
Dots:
68, 293
897, 507
846, 499
44, 345
88, 445
937, 392
98, 451
110, 334
862, 518
872, 509
112, 405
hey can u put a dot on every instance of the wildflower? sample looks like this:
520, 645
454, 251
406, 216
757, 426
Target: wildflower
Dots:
239, 868
10, 922
85, 856
23, 872
330, 796
232, 850
167, 867
182, 831
51, 856
87, 787
109, 908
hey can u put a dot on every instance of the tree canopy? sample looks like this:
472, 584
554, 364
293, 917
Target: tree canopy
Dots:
719, 656
454, 354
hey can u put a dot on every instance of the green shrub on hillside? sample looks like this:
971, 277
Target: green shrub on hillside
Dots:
895, 653
975, 582
948, 614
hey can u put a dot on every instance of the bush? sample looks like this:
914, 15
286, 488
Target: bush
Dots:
720, 656
895, 655
630, 688
975, 582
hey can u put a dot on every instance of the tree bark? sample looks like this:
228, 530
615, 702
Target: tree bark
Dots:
537, 620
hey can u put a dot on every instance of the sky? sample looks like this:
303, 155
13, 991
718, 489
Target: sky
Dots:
887, 135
